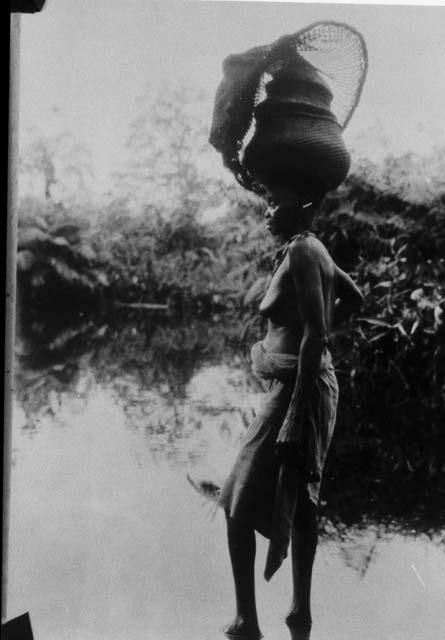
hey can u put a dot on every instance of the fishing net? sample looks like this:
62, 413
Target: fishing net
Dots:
338, 53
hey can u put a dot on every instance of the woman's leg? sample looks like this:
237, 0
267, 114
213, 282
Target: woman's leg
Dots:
304, 539
242, 548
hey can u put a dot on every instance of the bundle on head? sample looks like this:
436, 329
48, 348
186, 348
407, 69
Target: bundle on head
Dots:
280, 109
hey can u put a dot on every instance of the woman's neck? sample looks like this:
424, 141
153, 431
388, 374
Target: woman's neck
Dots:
302, 225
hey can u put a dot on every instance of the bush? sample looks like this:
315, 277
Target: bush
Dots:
391, 357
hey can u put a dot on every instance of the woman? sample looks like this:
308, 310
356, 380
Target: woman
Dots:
274, 485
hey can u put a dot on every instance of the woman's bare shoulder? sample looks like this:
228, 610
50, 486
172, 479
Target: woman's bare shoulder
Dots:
306, 249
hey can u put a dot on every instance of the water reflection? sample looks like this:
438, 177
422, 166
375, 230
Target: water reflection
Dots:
110, 540
186, 384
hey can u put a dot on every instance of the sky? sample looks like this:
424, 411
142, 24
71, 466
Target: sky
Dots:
85, 64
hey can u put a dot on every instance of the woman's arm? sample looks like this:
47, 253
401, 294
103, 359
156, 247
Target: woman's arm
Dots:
305, 265
349, 298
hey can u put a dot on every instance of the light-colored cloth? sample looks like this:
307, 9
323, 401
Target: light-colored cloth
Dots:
260, 490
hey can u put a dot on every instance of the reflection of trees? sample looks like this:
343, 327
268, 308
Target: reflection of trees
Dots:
134, 357
358, 554
149, 368
360, 545
357, 544
363, 485
148, 365
50, 364
165, 354
181, 430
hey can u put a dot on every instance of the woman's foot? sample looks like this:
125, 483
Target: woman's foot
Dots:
299, 633
299, 618
243, 629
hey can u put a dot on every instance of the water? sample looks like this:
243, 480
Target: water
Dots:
108, 538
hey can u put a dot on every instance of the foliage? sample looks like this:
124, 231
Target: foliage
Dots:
148, 362
152, 258
147, 242
58, 167
55, 260
385, 225
412, 177
391, 357
169, 162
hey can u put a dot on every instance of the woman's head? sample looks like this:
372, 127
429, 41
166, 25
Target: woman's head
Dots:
288, 212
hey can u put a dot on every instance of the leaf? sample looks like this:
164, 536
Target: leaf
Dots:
32, 238
378, 323
416, 294
25, 260
102, 278
377, 337
60, 242
414, 327
400, 327
208, 252
64, 271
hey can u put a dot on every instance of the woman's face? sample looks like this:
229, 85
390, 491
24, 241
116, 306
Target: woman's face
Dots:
277, 219
280, 214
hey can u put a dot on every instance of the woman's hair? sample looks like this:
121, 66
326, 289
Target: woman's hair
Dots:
311, 191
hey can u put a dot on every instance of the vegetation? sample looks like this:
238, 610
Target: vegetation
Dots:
385, 225
391, 359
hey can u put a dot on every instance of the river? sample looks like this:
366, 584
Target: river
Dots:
109, 539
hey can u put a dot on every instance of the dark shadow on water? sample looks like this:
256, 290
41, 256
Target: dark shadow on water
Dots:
152, 358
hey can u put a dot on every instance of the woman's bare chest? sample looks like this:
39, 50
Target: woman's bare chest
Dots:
280, 295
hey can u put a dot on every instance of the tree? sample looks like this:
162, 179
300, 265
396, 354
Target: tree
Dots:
58, 167
170, 162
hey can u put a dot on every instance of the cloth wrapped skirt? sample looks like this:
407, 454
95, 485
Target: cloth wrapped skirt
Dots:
259, 489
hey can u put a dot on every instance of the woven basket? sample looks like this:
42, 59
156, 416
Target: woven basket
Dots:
297, 140
295, 97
